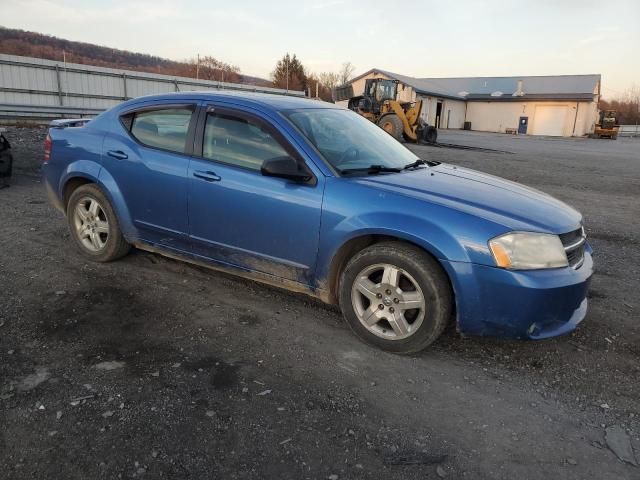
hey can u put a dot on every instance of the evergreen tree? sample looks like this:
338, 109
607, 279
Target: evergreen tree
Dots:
297, 77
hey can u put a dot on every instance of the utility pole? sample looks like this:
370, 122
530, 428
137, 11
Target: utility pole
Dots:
198, 67
287, 61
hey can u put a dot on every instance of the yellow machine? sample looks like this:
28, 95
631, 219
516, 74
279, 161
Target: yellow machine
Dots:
607, 127
378, 103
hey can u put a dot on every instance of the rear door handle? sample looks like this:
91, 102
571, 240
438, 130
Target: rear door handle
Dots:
118, 154
207, 175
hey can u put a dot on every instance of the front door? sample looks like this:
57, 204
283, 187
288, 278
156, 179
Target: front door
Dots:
522, 125
239, 217
147, 155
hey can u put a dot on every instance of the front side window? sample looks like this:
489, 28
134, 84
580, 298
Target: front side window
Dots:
166, 129
239, 141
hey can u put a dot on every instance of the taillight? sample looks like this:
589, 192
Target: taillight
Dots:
47, 148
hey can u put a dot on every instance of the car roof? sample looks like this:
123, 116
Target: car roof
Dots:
266, 100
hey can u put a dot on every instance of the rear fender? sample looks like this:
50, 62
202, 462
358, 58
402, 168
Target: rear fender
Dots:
94, 173
111, 189
86, 169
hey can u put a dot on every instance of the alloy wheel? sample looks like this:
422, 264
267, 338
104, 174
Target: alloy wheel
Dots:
91, 224
388, 301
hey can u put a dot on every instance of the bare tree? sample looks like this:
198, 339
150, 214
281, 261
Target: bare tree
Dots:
329, 79
346, 72
627, 106
210, 68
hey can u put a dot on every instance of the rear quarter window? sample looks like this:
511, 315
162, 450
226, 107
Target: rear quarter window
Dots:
165, 129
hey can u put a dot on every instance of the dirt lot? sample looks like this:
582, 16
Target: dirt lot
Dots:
151, 368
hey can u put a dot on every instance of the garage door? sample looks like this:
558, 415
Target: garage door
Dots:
550, 120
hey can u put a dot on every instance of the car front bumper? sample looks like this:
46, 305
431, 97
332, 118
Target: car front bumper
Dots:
533, 304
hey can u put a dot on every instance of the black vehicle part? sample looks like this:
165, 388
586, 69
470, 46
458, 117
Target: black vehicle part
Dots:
430, 134
6, 161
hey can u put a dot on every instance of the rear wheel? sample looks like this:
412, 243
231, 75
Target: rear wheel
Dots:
94, 226
396, 297
392, 124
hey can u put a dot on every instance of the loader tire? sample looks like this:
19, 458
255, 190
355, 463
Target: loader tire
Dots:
430, 134
392, 124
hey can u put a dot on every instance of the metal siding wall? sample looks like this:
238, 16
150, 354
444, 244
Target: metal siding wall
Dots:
34, 82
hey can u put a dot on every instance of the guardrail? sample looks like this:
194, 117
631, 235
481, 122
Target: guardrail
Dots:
629, 130
44, 112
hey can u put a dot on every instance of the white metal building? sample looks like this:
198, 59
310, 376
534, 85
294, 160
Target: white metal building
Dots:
559, 105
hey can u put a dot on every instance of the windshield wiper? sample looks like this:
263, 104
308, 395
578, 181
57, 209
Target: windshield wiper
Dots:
419, 162
371, 170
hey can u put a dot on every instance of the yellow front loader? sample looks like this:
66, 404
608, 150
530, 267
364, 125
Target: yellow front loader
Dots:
378, 104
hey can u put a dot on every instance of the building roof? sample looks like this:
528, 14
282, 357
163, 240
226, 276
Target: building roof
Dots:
578, 87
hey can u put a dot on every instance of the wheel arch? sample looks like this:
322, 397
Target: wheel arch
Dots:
70, 186
352, 246
108, 186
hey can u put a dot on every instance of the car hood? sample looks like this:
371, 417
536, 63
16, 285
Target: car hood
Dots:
508, 203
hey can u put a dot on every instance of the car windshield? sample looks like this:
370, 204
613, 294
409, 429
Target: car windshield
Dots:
350, 142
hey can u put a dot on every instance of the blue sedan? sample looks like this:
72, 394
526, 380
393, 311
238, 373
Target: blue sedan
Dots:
316, 199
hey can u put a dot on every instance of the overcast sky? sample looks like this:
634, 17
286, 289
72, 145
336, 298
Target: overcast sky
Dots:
411, 37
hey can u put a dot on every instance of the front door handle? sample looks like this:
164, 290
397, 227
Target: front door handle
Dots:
207, 175
118, 154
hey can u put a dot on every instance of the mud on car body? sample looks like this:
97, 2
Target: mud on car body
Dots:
314, 198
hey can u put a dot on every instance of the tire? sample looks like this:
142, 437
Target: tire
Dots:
430, 134
411, 330
94, 226
392, 124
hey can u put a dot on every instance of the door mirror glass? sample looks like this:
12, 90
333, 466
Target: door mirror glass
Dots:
285, 167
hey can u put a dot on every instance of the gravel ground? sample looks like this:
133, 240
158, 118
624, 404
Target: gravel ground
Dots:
152, 368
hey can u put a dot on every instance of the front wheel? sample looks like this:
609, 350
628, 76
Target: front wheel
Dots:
396, 297
392, 124
430, 134
94, 226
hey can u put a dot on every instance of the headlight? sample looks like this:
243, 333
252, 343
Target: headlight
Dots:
528, 251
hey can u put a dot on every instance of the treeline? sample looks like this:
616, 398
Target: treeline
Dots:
289, 71
292, 74
627, 106
31, 44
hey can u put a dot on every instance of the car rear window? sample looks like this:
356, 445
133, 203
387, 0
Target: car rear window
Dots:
166, 129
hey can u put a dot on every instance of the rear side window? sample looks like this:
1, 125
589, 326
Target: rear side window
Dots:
239, 141
166, 129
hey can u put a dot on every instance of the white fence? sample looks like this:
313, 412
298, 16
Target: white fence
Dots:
629, 131
38, 88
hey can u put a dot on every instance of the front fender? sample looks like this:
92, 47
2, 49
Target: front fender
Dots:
353, 210
432, 238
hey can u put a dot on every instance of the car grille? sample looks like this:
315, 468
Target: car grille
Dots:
574, 243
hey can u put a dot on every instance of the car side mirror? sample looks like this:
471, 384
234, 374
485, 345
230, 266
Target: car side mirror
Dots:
285, 167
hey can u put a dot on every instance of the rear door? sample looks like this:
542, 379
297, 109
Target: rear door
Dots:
147, 154
238, 216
